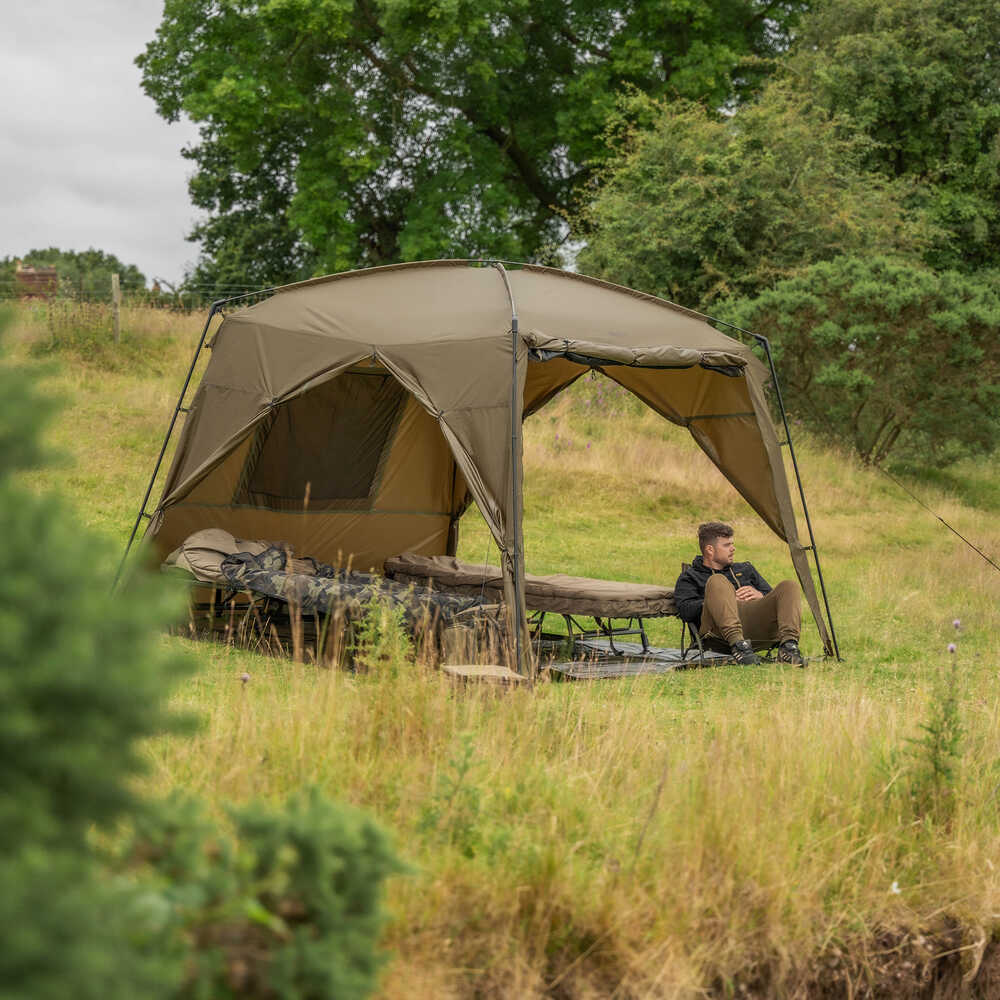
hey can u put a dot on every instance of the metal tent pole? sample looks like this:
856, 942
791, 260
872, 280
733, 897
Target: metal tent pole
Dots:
766, 344
515, 457
178, 409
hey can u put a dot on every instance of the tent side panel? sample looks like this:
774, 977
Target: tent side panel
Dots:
718, 411
466, 386
546, 379
777, 468
251, 368
418, 481
419, 472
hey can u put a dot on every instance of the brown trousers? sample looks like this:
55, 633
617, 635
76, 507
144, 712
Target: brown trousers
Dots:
775, 616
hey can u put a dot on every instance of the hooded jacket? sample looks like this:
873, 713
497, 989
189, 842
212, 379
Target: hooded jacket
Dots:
689, 591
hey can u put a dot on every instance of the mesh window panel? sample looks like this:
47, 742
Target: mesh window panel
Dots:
330, 443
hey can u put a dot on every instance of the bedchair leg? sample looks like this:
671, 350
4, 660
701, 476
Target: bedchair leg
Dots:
536, 623
608, 630
642, 635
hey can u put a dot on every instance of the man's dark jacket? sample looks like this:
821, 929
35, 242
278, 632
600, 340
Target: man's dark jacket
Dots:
689, 591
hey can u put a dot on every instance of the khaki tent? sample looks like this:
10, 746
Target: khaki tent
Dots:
354, 416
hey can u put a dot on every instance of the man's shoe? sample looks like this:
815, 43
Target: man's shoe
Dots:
743, 653
788, 652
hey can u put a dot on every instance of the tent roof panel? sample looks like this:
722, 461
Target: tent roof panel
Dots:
458, 300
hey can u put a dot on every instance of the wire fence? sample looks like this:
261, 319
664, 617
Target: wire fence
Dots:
190, 297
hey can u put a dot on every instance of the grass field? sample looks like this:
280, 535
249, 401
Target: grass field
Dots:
762, 831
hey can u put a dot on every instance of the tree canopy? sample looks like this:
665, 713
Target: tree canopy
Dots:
702, 205
920, 79
341, 133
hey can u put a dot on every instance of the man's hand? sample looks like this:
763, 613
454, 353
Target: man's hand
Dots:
748, 593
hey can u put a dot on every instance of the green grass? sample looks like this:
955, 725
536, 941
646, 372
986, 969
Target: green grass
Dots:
758, 829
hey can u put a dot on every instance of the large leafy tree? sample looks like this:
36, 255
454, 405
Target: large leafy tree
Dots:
888, 356
702, 205
337, 133
921, 80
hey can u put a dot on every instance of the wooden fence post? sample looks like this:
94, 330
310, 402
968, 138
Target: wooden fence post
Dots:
116, 305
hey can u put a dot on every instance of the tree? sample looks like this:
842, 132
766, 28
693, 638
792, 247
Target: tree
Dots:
350, 132
702, 205
921, 80
81, 272
891, 356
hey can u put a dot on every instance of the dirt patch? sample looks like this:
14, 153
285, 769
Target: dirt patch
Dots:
950, 964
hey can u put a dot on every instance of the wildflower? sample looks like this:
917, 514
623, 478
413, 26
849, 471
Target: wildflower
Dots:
588, 446
957, 623
894, 888
952, 647
244, 678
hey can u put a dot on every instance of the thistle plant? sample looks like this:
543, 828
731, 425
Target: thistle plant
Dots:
935, 756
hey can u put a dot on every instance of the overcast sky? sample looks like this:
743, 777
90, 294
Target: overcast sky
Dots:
85, 161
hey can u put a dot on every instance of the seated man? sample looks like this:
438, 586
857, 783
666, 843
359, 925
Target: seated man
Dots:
731, 601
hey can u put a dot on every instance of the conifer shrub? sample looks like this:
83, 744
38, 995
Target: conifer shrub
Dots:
886, 355
285, 904
81, 683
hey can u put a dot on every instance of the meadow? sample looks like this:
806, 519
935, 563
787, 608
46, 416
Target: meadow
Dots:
762, 831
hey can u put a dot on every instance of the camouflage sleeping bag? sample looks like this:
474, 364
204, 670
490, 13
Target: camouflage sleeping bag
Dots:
317, 587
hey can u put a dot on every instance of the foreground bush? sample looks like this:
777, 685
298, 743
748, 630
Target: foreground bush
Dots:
288, 905
83, 681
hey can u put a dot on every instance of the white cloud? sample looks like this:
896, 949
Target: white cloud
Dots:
85, 161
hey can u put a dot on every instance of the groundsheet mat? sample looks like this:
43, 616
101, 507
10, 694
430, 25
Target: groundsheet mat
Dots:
593, 659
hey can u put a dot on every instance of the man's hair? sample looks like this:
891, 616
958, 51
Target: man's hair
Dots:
710, 531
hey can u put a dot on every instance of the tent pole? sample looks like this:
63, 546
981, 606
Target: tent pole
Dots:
216, 306
515, 453
766, 344
515, 457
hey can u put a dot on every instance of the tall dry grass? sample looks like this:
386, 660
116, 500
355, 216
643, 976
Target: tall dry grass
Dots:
724, 832
655, 837
118, 399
